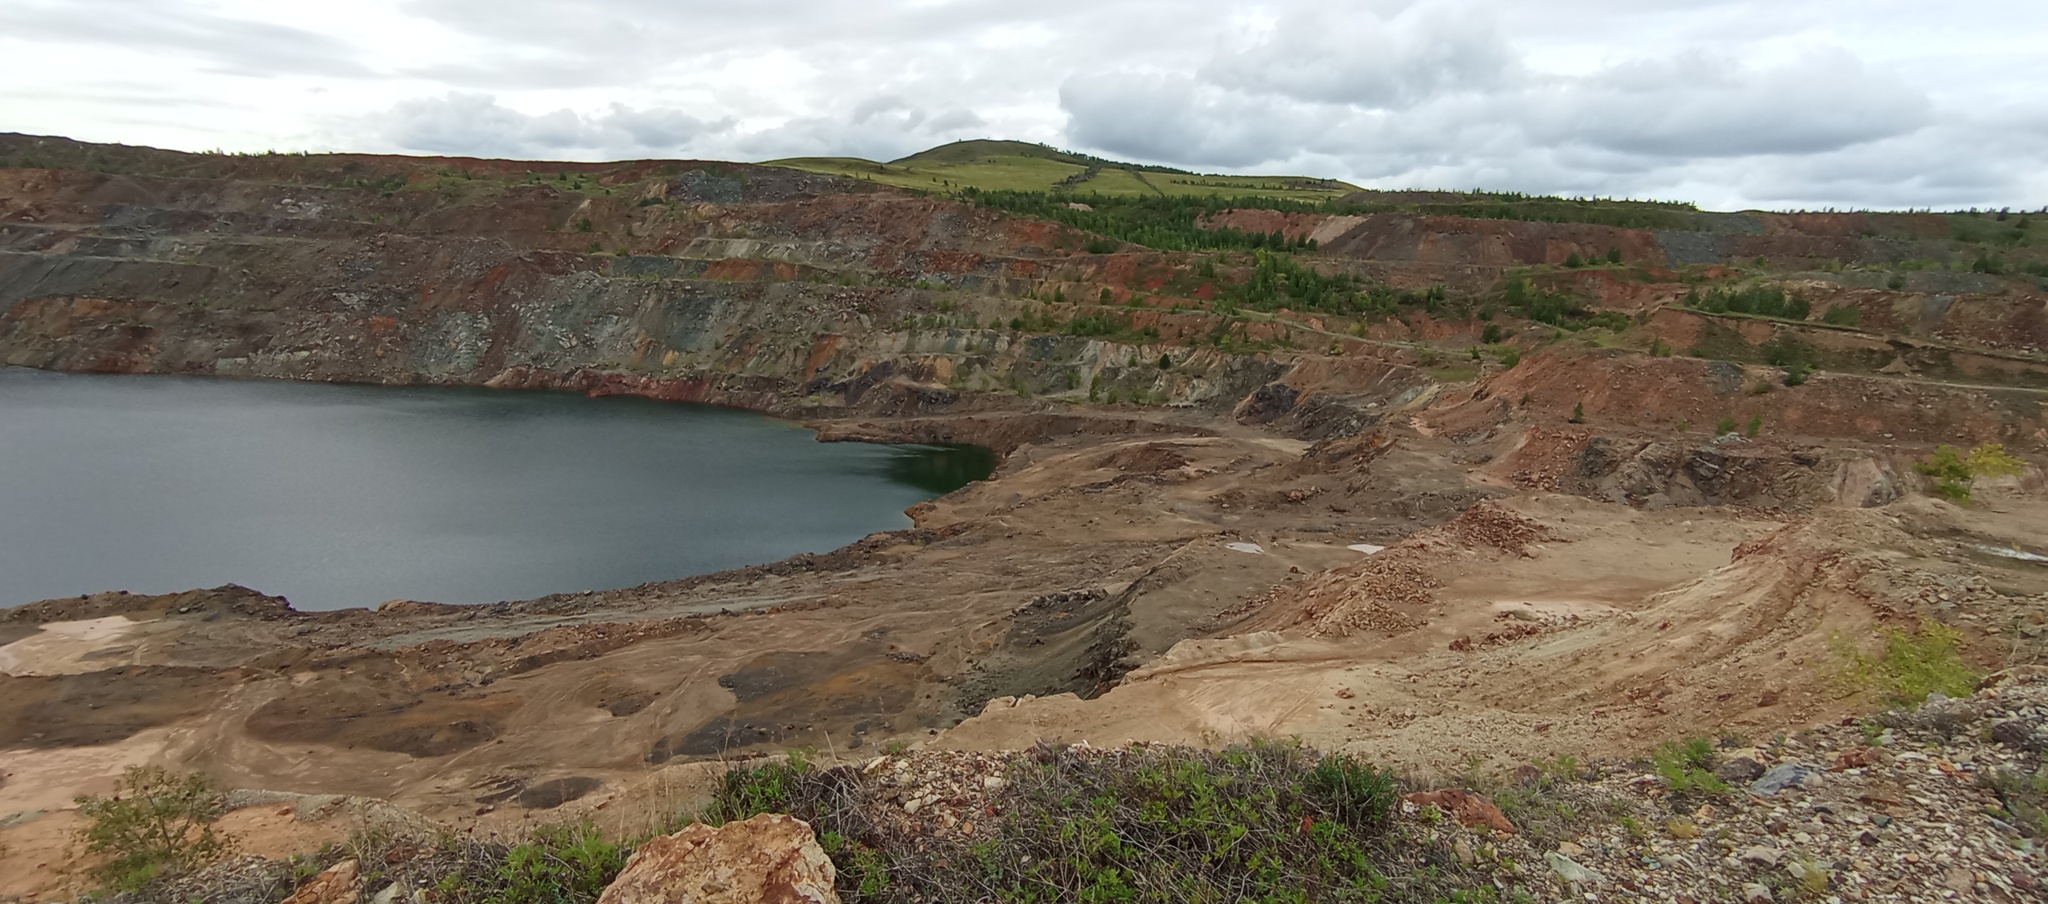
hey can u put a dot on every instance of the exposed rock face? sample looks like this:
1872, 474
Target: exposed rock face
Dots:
769, 859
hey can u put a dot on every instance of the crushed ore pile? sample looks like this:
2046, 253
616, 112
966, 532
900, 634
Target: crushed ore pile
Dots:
1906, 806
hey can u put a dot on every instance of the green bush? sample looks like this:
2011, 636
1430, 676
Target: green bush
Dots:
1909, 665
1955, 473
1726, 427
1265, 821
155, 824
1758, 300
1687, 767
1493, 334
761, 789
1844, 315
559, 865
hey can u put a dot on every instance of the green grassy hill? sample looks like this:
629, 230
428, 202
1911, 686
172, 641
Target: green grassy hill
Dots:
1021, 166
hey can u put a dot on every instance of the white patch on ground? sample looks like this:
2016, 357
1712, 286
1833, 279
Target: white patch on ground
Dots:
1366, 548
69, 648
1253, 548
2010, 553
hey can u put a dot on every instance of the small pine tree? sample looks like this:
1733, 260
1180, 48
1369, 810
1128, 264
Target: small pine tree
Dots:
1614, 255
1579, 413
1756, 425
1575, 261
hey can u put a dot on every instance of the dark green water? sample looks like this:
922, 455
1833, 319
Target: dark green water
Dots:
337, 496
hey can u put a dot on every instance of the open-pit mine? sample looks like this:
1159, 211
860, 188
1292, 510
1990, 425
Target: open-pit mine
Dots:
1509, 510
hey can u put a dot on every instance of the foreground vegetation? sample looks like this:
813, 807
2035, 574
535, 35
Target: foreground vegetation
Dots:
1265, 821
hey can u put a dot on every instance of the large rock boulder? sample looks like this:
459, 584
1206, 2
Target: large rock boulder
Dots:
768, 859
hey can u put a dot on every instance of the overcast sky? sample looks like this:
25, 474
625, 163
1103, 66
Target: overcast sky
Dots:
1733, 103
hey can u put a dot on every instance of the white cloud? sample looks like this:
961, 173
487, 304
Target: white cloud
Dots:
1735, 102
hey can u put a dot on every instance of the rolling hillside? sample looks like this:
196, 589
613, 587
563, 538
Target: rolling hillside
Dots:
1021, 166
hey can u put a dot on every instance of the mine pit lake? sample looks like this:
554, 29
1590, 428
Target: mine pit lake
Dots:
338, 496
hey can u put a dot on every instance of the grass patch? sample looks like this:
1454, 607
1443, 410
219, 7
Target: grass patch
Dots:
1909, 665
1266, 821
2025, 796
1687, 767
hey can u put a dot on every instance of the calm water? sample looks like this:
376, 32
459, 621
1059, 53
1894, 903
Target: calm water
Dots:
341, 496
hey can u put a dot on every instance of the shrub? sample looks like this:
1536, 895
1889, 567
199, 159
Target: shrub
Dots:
1796, 373
1510, 357
1574, 261
1102, 246
559, 865
1579, 413
1955, 473
1756, 425
1165, 362
1758, 300
1687, 767
1493, 334
1844, 315
1726, 427
1614, 255
1897, 282
1909, 665
584, 225
155, 824
1264, 821
2025, 796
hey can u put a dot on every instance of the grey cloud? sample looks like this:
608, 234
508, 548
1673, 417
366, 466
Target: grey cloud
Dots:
1177, 119
1699, 105
878, 128
477, 124
236, 46
1344, 55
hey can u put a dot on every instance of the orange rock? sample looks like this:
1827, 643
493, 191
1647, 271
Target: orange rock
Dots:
338, 884
769, 859
1469, 809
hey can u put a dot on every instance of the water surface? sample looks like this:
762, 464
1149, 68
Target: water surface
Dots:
339, 496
